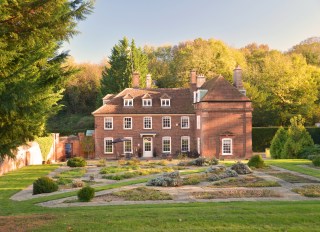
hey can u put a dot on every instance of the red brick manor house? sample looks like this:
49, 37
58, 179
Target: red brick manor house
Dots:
212, 117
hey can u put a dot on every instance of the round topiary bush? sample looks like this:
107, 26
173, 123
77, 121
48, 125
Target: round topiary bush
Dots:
316, 161
86, 194
256, 161
76, 162
44, 185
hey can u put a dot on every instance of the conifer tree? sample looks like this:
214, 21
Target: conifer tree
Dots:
278, 142
31, 71
125, 59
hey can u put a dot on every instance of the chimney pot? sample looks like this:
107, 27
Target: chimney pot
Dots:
200, 80
148, 81
135, 80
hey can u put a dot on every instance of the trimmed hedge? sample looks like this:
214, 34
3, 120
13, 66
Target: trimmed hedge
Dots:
76, 162
44, 185
262, 136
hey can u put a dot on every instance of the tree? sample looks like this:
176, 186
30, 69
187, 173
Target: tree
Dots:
281, 86
31, 67
124, 60
310, 49
278, 142
298, 138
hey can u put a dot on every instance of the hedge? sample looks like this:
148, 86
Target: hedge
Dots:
262, 136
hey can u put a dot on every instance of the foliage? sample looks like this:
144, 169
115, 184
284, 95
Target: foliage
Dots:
76, 162
278, 142
262, 137
142, 194
66, 124
125, 59
256, 161
45, 144
87, 145
222, 175
86, 194
236, 193
31, 67
44, 185
193, 179
201, 161
310, 49
309, 151
241, 168
77, 184
308, 190
139, 172
292, 178
316, 161
172, 179
248, 181
298, 138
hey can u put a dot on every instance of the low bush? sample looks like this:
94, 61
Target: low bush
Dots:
77, 183
256, 161
193, 179
76, 162
309, 152
142, 194
201, 161
226, 174
241, 168
172, 179
44, 185
316, 161
86, 194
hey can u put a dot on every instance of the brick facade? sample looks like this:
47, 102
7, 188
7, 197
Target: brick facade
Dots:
225, 119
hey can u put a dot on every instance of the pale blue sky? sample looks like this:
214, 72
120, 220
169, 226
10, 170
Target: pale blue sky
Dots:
278, 23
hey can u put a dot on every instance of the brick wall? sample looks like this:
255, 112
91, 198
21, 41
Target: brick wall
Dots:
137, 128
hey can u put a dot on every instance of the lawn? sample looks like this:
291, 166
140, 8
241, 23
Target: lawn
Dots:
223, 216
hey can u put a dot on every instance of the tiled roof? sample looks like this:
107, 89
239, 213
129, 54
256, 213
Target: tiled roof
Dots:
219, 89
181, 102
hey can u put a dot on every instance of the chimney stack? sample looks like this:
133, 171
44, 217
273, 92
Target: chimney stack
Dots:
135, 80
193, 80
200, 80
237, 80
148, 81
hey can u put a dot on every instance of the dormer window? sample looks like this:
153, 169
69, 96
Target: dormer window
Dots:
128, 102
146, 102
165, 102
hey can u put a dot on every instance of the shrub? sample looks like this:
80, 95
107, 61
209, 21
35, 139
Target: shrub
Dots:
256, 161
44, 185
76, 162
77, 183
298, 138
86, 194
316, 161
310, 152
241, 168
278, 142
167, 179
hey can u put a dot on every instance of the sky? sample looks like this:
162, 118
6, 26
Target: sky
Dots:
279, 23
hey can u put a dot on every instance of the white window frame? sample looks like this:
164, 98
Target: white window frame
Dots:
128, 102
145, 102
124, 145
104, 145
188, 119
105, 120
165, 102
163, 118
222, 146
188, 139
198, 122
199, 145
166, 138
124, 123
144, 123
195, 96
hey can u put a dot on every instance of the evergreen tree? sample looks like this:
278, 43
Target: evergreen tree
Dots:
125, 59
31, 71
298, 138
278, 142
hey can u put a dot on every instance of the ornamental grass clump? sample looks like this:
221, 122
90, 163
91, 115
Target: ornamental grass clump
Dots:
44, 185
86, 194
76, 162
256, 161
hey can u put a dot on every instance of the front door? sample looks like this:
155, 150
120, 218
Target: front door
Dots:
147, 147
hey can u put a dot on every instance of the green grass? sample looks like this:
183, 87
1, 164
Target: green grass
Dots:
223, 216
72, 173
291, 178
295, 165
